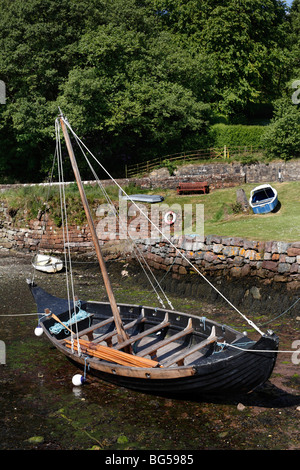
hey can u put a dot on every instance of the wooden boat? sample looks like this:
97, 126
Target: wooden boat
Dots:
154, 350
263, 199
47, 263
169, 352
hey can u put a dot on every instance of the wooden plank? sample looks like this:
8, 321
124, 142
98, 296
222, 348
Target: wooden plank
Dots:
152, 350
179, 358
111, 355
144, 333
89, 330
108, 336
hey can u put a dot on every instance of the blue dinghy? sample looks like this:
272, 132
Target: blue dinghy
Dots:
263, 199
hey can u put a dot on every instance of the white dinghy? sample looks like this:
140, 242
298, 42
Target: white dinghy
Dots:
47, 263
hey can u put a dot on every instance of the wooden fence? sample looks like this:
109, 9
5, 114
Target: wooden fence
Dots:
224, 153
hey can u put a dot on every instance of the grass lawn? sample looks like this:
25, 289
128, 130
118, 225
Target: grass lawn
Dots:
221, 219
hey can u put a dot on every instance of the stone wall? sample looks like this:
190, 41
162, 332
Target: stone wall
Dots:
222, 175
230, 257
35, 237
258, 276
218, 175
226, 257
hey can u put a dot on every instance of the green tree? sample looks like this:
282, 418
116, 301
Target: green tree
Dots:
282, 136
37, 48
246, 40
294, 40
140, 92
136, 78
126, 84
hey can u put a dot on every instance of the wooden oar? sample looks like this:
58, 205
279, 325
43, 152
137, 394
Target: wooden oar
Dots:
48, 312
112, 355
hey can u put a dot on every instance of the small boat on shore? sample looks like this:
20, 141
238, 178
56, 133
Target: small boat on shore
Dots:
47, 263
263, 199
146, 198
163, 351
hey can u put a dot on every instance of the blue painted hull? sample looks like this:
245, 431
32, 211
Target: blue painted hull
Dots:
263, 199
265, 208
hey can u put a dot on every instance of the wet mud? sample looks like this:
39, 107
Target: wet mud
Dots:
41, 410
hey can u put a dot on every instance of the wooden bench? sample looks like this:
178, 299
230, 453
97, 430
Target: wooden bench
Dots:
89, 331
193, 187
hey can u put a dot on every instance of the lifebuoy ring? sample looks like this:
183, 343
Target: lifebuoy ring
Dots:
170, 218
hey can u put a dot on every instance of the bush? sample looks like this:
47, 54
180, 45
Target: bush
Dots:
282, 137
236, 135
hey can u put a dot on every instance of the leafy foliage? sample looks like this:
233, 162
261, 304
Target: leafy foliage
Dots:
282, 137
137, 79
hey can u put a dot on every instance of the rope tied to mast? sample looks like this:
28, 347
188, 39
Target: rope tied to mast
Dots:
250, 322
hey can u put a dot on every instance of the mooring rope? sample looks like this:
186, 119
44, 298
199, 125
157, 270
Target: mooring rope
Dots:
224, 344
20, 314
281, 314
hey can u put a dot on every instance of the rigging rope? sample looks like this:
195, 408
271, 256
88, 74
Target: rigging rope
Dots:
281, 314
250, 322
224, 344
109, 201
65, 230
46, 203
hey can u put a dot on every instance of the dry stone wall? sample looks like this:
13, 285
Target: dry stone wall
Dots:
230, 257
218, 175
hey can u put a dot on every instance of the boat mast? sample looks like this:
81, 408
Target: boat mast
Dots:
122, 336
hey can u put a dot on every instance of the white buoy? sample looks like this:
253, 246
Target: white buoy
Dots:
77, 380
38, 331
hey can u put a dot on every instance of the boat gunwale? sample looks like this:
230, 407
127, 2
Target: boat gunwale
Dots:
263, 202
